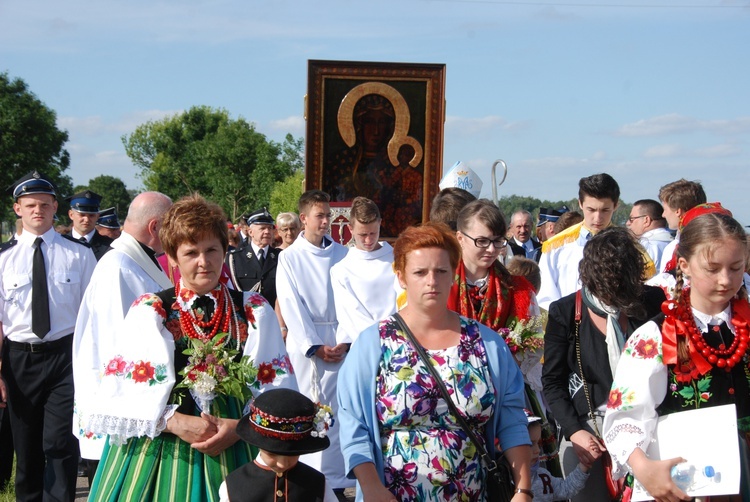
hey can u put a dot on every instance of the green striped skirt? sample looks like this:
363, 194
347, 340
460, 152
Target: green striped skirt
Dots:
167, 468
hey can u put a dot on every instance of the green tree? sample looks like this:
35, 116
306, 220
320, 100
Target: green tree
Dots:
29, 140
509, 204
113, 191
285, 194
512, 203
204, 150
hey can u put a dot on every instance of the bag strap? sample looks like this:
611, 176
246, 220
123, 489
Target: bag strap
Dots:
489, 462
579, 301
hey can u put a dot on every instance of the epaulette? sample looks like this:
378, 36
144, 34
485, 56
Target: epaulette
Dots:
567, 236
73, 239
7, 245
649, 269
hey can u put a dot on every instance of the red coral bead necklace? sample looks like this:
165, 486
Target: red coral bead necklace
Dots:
195, 328
721, 357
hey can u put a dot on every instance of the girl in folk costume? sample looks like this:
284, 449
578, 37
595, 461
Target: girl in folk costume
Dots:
484, 290
694, 355
666, 280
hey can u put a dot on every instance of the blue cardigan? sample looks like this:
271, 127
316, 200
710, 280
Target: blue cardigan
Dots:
359, 431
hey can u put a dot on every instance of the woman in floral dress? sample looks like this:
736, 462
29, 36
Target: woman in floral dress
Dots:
398, 436
171, 416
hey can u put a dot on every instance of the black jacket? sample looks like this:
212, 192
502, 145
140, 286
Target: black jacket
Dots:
99, 244
560, 359
249, 275
520, 251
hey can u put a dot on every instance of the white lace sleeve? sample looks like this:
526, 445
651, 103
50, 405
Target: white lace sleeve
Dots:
639, 386
137, 376
168, 413
120, 429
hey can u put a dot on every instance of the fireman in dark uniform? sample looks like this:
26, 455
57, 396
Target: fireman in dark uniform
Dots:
84, 213
253, 264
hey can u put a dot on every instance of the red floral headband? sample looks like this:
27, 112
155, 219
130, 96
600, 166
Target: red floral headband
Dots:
700, 210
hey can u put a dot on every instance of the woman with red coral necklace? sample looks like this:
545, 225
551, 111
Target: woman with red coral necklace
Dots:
172, 391
585, 334
692, 356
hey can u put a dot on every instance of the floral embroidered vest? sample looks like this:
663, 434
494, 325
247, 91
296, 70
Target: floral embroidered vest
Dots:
715, 388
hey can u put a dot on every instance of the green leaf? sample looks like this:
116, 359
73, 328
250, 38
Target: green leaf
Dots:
687, 392
704, 383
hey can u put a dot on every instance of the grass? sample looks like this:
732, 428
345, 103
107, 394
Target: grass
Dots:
9, 494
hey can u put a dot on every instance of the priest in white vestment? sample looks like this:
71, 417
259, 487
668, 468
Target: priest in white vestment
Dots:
303, 287
363, 282
123, 274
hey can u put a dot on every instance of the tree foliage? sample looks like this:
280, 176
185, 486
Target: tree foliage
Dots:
509, 204
204, 150
113, 191
286, 194
29, 140
512, 203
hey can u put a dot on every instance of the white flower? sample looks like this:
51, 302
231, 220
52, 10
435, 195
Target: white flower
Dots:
204, 384
322, 422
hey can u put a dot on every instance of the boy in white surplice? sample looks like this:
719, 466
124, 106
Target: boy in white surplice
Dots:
303, 286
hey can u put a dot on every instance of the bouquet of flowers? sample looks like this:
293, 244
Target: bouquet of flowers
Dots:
525, 340
323, 421
525, 335
213, 369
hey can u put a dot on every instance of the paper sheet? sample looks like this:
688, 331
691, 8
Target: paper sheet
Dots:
716, 445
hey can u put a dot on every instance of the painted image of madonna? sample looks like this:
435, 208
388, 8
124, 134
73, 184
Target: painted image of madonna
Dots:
380, 161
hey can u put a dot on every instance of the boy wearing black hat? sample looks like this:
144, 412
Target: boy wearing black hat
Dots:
44, 277
283, 424
84, 213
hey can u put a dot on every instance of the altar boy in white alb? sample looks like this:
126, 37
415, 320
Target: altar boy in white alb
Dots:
363, 283
303, 286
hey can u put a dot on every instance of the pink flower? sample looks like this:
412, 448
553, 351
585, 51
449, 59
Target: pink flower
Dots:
257, 300
116, 365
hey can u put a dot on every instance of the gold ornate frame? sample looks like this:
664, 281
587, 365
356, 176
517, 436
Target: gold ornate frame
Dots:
417, 95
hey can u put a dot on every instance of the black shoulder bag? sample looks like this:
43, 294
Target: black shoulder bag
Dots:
499, 476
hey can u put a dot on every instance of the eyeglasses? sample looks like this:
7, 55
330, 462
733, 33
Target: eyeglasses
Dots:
484, 242
631, 219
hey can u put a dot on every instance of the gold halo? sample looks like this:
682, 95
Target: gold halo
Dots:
345, 119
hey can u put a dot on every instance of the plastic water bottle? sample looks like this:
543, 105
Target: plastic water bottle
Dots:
689, 477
